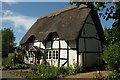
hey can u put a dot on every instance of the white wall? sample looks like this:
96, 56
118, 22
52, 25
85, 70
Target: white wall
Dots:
63, 52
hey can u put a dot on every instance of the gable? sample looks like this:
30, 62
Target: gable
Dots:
89, 29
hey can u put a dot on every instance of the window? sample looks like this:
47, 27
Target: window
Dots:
31, 55
55, 36
57, 52
52, 54
49, 55
84, 31
56, 56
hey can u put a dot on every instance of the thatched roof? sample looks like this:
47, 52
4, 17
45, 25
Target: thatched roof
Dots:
67, 23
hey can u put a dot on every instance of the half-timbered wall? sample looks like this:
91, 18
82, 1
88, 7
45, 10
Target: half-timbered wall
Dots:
90, 44
66, 50
84, 51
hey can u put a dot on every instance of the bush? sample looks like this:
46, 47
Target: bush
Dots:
7, 61
20, 66
51, 72
114, 75
79, 69
71, 70
45, 72
111, 56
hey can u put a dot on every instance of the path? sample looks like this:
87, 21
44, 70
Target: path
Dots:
88, 74
8, 76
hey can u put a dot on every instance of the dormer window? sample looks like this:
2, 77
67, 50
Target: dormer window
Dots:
55, 36
35, 40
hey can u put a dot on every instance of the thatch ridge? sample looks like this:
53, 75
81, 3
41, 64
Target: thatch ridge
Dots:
62, 11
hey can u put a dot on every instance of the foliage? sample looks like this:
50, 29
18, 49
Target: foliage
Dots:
20, 66
26, 74
71, 70
50, 72
112, 35
19, 55
8, 60
114, 76
111, 56
8, 63
79, 69
67, 70
8, 39
45, 72
111, 12
99, 76
19, 58
20, 50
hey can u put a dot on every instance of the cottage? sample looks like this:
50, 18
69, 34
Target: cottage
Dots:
71, 36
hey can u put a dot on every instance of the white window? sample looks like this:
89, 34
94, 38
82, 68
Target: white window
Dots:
55, 37
52, 54
31, 55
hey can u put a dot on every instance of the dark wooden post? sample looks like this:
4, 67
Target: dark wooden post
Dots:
77, 46
67, 53
59, 55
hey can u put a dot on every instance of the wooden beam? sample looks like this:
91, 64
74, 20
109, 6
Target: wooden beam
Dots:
67, 53
90, 52
52, 49
63, 49
64, 63
90, 38
77, 45
84, 56
63, 58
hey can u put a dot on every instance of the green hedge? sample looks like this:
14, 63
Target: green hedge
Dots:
51, 72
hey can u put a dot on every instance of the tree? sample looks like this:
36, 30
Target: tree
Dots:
112, 12
8, 39
111, 56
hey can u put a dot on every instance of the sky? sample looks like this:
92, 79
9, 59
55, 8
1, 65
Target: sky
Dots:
20, 16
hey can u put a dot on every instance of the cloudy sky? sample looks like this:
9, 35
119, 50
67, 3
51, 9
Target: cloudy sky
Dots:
20, 16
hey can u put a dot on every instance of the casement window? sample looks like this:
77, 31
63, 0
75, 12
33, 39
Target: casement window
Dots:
55, 36
31, 55
52, 54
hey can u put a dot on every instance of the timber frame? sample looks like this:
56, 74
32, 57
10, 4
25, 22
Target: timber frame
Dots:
72, 28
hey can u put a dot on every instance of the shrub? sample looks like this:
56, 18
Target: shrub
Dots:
99, 76
20, 66
51, 72
71, 70
111, 56
79, 69
8, 60
45, 72
114, 75
63, 70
